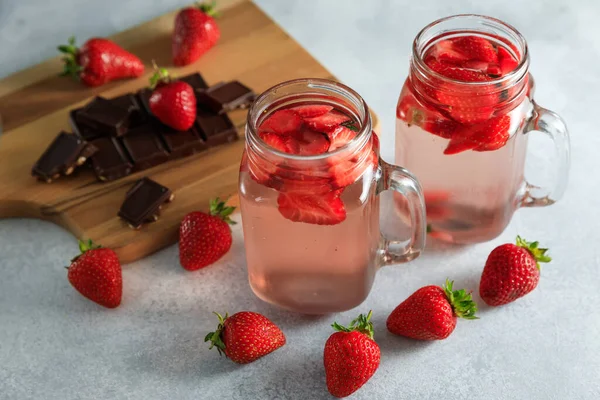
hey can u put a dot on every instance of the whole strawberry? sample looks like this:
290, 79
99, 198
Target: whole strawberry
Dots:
172, 102
195, 33
99, 61
351, 356
204, 238
96, 274
245, 336
511, 271
430, 313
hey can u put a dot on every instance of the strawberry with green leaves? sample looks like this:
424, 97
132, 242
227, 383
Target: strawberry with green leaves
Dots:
511, 271
431, 312
99, 61
173, 102
96, 274
205, 238
245, 337
351, 356
195, 32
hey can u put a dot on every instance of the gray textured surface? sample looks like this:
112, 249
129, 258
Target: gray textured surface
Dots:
56, 345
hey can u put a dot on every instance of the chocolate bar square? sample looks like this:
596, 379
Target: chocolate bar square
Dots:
143, 202
143, 97
110, 162
181, 143
81, 129
105, 117
145, 147
62, 156
129, 102
225, 97
215, 129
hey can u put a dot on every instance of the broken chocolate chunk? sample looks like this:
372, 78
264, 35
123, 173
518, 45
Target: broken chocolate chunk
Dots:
145, 147
143, 202
110, 162
181, 143
215, 129
63, 155
225, 97
105, 117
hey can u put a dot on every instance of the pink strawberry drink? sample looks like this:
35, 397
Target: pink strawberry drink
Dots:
309, 184
462, 121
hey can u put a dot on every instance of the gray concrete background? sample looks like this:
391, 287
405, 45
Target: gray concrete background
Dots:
56, 345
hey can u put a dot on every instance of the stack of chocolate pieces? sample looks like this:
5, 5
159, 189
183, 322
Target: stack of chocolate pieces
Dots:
121, 136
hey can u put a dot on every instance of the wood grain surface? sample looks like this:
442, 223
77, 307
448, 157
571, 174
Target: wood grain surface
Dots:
34, 104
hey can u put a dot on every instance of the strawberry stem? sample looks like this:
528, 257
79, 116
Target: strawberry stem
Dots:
70, 51
461, 301
537, 253
161, 76
209, 9
361, 324
216, 337
85, 246
219, 209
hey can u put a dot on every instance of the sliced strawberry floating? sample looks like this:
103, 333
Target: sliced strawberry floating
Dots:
476, 48
340, 137
458, 145
455, 72
444, 51
285, 144
492, 135
506, 60
312, 110
444, 128
312, 143
326, 209
344, 173
304, 186
326, 122
282, 122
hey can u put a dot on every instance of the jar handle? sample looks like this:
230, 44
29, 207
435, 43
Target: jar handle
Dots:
403, 182
549, 123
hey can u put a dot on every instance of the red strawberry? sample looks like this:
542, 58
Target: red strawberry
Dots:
312, 110
245, 337
430, 313
511, 271
172, 102
351, 356
506, 60
487, 136
195, 33
313, 143
99, 61
96, 274
326, 209
326, 122
455, 72
340, 137
285, 144
282, 122
205, 238
444, 51
476, 48
345, 173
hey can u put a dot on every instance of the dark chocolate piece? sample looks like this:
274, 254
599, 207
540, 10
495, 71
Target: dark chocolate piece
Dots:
110, 162
181, 144
195, 80
143, 97
129, 102
145, 147
63, 155
215, 129
81, 129
225, 97
143, 202
105, 117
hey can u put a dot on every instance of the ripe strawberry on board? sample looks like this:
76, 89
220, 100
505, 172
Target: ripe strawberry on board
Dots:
172, 102
511, 271
430, 313
351, 356
205, 238
245, 336
96, 274
99, 61
196, 32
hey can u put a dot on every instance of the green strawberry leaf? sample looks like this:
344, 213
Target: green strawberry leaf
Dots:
361, 324
538, 254
461, 301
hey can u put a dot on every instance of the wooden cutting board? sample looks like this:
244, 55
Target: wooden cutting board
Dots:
34, 104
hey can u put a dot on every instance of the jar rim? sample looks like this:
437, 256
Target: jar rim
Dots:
515, 75
259, 106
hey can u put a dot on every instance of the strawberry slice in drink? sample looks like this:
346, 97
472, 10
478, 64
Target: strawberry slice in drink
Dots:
340, 136
327, 122
312, 143
282, 122
444, 51
325, 209
285, 144
311, 110
506, 60
487, 136
476, 48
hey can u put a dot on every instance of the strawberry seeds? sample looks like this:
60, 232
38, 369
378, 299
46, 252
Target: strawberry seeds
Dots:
311, 196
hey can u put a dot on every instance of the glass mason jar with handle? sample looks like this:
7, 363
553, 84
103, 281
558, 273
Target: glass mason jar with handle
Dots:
463, 119
309, 191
